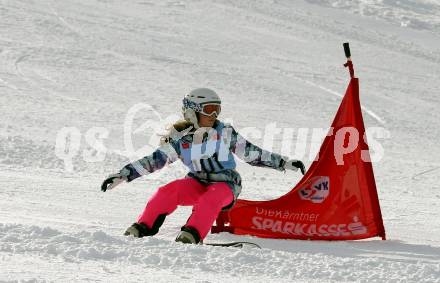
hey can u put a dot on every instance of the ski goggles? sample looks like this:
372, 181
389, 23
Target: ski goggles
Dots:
211, 109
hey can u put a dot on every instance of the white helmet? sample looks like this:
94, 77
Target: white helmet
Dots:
195, 102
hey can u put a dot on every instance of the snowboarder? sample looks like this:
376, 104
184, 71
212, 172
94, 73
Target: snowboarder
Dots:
205, 145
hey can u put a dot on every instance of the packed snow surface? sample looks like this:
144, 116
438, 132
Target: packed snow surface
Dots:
87, 65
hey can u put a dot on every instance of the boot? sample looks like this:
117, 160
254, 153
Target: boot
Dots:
188, 235
139, 230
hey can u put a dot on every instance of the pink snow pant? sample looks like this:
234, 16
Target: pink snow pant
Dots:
207, 202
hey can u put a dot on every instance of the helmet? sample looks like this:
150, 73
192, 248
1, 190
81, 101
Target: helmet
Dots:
196, 102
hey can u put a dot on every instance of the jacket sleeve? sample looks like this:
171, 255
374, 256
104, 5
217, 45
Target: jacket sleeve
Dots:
253, 154
165, 154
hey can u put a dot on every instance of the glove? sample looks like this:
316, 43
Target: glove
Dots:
112, 181
294, 164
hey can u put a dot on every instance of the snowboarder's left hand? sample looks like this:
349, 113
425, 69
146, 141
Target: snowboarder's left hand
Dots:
112, 181
294, 164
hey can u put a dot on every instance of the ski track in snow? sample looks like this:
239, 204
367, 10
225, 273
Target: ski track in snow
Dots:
84, 64
368, 111
416, 14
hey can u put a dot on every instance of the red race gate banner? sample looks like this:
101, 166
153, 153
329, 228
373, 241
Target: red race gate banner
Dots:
335, 200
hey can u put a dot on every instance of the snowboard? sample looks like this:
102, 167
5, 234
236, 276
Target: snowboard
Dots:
233, 244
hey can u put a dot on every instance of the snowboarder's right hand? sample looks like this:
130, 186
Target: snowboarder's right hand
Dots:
294, 164
112, 181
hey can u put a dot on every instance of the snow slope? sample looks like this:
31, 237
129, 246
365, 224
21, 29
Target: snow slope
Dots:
85, 64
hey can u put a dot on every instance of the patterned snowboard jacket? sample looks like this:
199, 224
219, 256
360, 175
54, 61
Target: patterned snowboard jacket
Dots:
208, 154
